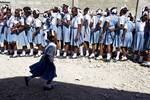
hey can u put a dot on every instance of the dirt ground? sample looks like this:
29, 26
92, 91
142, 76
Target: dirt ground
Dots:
80, 79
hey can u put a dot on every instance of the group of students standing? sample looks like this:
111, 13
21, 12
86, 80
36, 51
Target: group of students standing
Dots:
78, 33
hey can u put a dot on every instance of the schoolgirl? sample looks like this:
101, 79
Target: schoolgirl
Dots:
29, 27
117, 43
75, 31
59, 32
95, 31
9, 24
81, 39
146, 61
45, 68
37, 32
138, 43
66, 29
101, 36
109, 31
18, 34
127, 38
86, 29
21, 37
3, 28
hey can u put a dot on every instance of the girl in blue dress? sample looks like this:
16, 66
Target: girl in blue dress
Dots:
45, 68
9, 21
101, 37
3, 28
66, 29
29, 27
22, 41
18, 33
59, 33
117, 43
81, 40
37, 32
109, 31
95, 31
75, 31
138, 43
127, 37
86, 30
147, 45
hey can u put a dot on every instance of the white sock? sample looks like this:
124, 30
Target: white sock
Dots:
39, 52
135, 57
58, 52
141, 59
65, 54
108, 56
75, 55
23, 52
87, 52
15, 52
81, 50
118, 54
31, 51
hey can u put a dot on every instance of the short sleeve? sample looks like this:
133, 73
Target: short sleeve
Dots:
78, 20
38, 23
92, 19
126, 26
101, 19
122, 20
68, 17
22, 21
29, 20
59, 17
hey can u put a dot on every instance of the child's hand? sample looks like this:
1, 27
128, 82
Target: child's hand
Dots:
33, 34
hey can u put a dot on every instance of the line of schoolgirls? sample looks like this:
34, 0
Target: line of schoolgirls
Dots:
79, 33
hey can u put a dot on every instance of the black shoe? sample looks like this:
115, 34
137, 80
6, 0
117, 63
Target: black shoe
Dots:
107, 60
48, 88
26, 81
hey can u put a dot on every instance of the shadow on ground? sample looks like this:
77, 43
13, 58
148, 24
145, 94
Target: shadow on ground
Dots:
15, 89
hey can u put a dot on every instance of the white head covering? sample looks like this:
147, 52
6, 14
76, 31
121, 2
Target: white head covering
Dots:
99, 11
114, 11
145, 13
36, 11
104, 13
45, 14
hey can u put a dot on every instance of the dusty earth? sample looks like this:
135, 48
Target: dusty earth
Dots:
80, 79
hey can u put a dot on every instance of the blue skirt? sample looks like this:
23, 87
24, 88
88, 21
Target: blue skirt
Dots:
118, 39
3, 36
29, 33
13, 37
22, 39
54, 28
59, 33
38, 38
86, 34
94, 38
9, 35
44, 69
127, 42
74, 42
66, 34
147, 42
138, 43
109, 37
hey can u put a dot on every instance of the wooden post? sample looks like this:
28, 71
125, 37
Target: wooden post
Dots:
136, 11
73, 2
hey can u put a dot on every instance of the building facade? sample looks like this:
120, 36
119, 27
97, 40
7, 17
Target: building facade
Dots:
93, 4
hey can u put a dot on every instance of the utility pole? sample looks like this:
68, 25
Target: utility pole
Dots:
136, 11
73, 2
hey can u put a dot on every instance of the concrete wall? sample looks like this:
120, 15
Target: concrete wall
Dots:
93, 4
